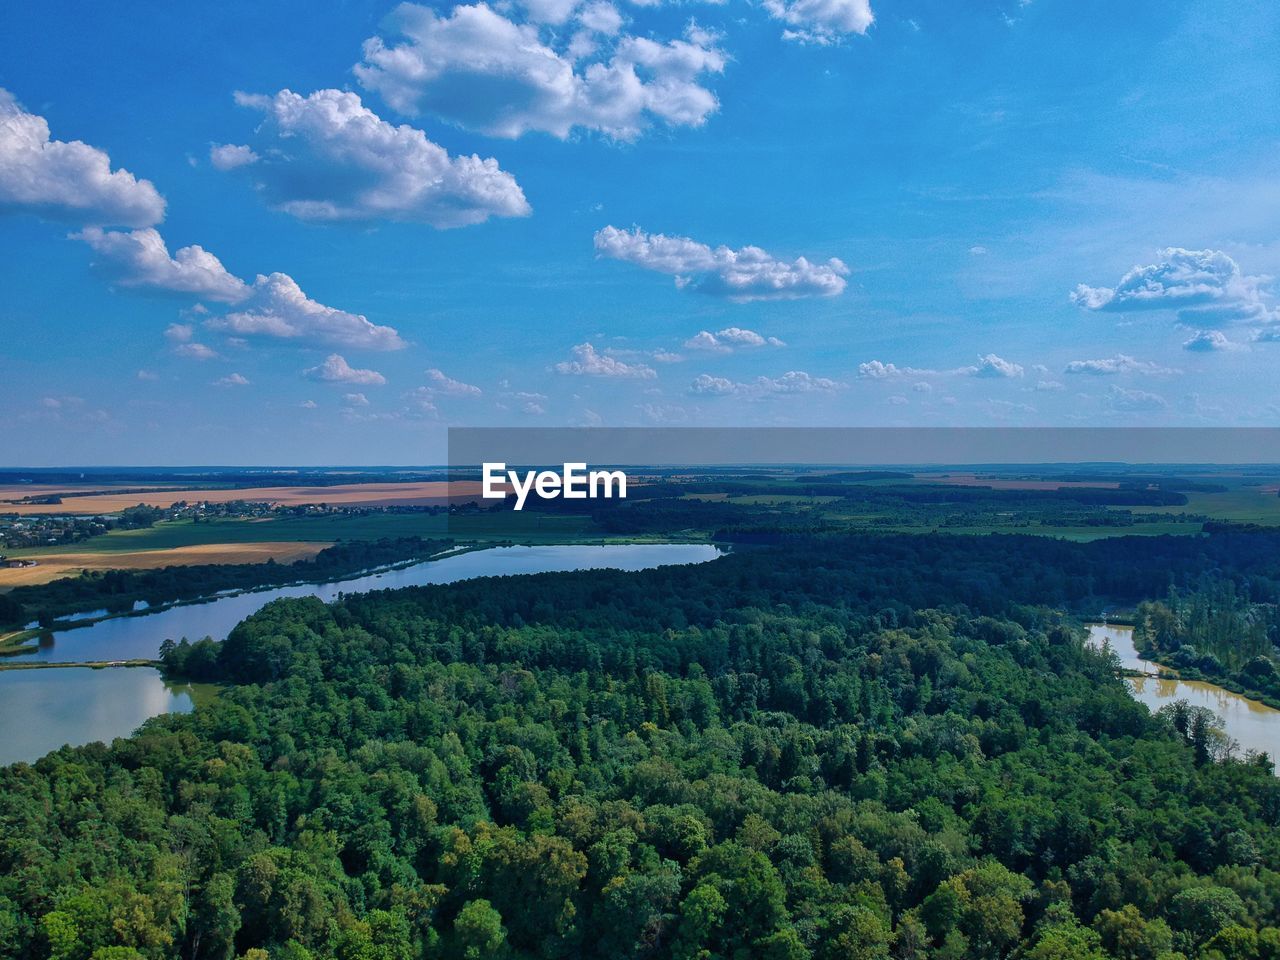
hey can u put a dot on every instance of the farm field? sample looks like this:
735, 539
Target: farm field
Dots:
353, 495
71, 562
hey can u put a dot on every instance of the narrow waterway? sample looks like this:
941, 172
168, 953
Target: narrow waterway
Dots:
40, 710
1253, 725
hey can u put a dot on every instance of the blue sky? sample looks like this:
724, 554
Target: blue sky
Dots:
311, 233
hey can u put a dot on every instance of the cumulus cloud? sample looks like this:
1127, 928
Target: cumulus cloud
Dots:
273, 306
140, 259
327, 157
195, 351
821, 21
278, 308
749, 273
67, 180
335, 369
791, 382
232, 380
1210, 341
182, 338
730, 339
879, 370
442, 384
231, 156
1135, 400
355, 399
993, 368
486, 72
1120, 363
587, 362
1206, 287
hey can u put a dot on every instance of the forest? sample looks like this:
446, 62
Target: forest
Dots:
830, 746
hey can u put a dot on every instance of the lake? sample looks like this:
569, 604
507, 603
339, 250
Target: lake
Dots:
40, 710
1253, 725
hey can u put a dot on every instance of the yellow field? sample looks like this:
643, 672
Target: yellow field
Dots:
350, 495
55, 565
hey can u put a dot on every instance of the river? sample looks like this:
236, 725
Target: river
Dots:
1253, 725
42, 709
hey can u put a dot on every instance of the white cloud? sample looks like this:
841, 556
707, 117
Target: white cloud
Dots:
327, 157
749, 273
68, 181
335, 369
148, 375
140, 260
182, 336
1048, 386
791, 382
308, 404
231, 156
1135, 400
1120, 363
1206, 287
821, 21
589, 363
355, 399
195, 351
449, 386
704, 383
278, 308
878, 370
728, 339
488, 73
994, 368
1210, 341
232, 380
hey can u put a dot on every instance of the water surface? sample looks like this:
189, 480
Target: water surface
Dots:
1253, 725
40, 710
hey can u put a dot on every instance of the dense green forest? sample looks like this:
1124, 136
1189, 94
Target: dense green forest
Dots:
1217, 632
890, 748
118, 590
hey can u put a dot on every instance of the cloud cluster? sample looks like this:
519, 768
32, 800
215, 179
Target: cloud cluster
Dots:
278, 308
1211, 341
327, 157
487, 72
181, 337
993, 368
791, 382
1135, 401
1205, 287
742, 275
730, 339
272, 306
446, 385
588, 362
821, 21
67, 180
335, 369
879, 370
1110, 366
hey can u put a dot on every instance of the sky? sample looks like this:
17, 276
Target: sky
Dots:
298, 233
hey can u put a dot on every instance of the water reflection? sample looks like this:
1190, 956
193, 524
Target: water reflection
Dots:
43, 709
1253, 725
